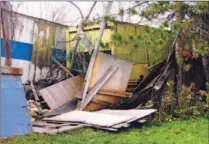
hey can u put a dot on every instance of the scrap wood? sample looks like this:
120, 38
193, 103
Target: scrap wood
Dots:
106, 99
55, 130
94, 54
92, 106
93, 118
104, 119
61, 66
157, 69
69, 106
34, 91
58, 94
49, 125
163, 78
98, 85
115, 93
133, 114
118, 81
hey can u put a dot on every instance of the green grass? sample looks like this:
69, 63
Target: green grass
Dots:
176, 132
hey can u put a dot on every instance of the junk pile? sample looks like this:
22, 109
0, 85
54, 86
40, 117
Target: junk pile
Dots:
70, 108
102, 87
104, 97
111, 120
108, 103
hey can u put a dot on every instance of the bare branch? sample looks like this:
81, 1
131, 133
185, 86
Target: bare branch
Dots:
78, 9
92, 7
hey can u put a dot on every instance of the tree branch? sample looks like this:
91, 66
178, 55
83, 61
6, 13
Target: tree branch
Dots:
92, 7
77, 9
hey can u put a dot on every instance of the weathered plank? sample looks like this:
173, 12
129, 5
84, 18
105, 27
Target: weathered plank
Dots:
93, 106
106, 99
94, 54
98, 85
92, 118
49, 125
132, 114
116, 93
55, 131
62, 92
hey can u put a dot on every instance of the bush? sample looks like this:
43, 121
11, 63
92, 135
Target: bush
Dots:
189, 104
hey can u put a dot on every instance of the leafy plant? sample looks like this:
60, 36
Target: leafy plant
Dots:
121, 11
133, 12
190, 104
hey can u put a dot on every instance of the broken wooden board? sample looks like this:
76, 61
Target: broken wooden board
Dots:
55, 130
92, 106
69, 106
119, 80
106, 99
92, 118
104, 118
62, 92
116, 93
132, 114
110, 71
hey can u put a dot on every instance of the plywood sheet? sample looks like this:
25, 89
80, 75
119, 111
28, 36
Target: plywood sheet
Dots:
103, 118
119, 80
93, 118
132, 114
62, 92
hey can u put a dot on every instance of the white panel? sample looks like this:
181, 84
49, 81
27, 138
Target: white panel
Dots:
60, 36
25, 65
24, 29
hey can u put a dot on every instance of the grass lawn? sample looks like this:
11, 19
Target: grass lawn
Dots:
176, 132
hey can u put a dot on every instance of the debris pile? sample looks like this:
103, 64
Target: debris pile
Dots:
35, 110
111, 120
107, 88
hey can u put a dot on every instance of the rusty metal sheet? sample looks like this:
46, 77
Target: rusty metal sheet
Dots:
119, 80
62, 92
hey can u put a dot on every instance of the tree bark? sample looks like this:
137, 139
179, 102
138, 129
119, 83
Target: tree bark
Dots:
178, 54
205, 37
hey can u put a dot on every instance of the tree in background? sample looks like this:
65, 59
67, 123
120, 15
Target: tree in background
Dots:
186, 21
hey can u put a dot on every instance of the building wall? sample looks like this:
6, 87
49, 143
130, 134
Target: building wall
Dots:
37, 37
140, 66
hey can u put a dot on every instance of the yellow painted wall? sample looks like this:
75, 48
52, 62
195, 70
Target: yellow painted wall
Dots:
92, 35
137, 57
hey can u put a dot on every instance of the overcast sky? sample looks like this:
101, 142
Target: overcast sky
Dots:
68, 14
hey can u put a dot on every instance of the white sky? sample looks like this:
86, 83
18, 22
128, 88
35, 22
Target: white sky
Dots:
68, 14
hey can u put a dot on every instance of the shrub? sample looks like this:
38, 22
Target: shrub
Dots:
189, 104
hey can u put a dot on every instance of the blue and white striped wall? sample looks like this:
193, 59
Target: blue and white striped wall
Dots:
21, 55
26, 32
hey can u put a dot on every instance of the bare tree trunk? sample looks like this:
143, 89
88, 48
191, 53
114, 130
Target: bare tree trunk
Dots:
178, 54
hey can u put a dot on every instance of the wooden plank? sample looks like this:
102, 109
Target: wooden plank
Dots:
98, 85
94, 54
102, 103
55, 131
43, 130
49, 125
61, 66
11, 70
119, 80
69, 106
93, 106
92, 118
34, 91
115, 93
132, 114
62, 92
106, 99
121, 125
